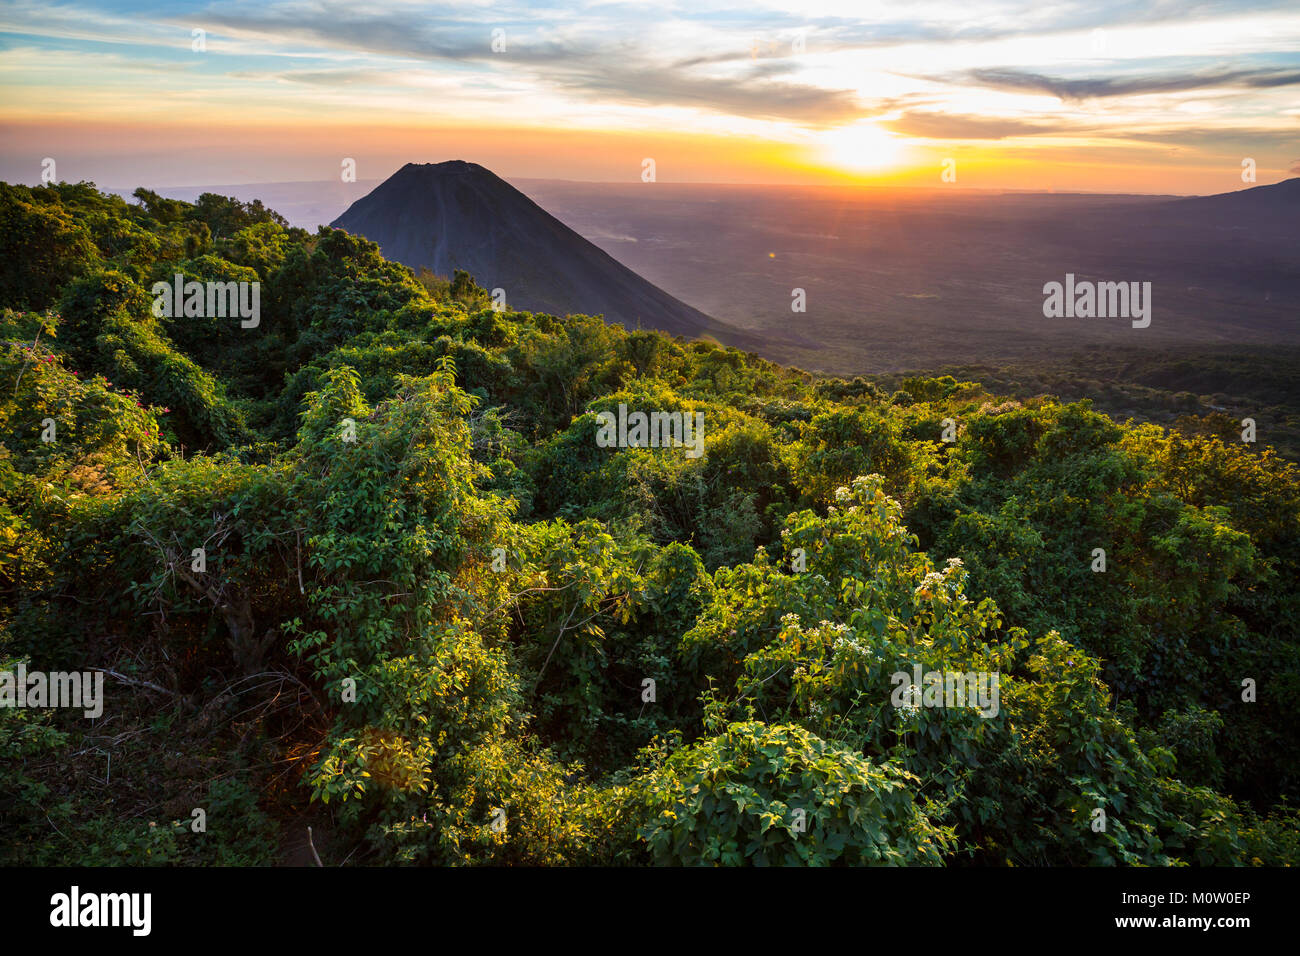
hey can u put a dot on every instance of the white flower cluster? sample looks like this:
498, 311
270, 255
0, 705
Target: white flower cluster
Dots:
936, 582
848, 645
852, 647
931, 583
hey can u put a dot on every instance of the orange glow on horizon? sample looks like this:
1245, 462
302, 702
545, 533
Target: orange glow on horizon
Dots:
150, 154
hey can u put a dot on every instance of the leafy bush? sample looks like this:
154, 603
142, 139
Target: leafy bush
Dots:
779, 795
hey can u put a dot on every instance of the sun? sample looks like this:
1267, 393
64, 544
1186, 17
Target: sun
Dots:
861, 146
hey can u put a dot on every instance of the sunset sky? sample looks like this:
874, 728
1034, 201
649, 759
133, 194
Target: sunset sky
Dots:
1097, 95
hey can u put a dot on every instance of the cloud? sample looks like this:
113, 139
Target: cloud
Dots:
607, 66
1095, 87
749, 95
325, 78
430, 33
953, 126
1219, 139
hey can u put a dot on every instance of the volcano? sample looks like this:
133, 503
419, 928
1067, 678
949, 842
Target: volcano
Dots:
459, 215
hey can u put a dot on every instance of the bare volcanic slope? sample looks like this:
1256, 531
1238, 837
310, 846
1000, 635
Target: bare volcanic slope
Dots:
459, 215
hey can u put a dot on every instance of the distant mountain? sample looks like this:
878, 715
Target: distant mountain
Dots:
459, 215
1275, 208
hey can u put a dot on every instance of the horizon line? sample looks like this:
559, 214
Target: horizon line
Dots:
893, 187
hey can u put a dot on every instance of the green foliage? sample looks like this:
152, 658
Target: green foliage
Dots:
42, 246
781, 796
437, 619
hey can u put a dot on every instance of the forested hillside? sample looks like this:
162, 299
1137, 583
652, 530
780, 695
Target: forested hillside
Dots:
439, 623
1198, 389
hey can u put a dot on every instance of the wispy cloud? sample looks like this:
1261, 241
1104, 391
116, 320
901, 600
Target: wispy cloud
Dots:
1140, 85
949, 126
